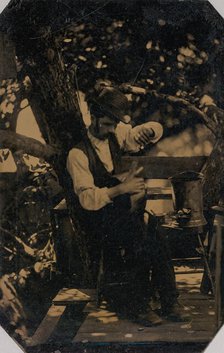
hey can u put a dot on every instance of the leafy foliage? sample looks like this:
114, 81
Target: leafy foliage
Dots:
158, 48
27, 248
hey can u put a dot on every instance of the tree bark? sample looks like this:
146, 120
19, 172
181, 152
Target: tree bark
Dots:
213, 171
53, 86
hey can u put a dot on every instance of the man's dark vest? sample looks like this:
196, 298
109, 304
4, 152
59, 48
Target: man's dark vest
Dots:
102, 178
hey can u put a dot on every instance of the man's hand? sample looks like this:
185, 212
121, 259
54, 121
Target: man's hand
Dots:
144, 136
133, 184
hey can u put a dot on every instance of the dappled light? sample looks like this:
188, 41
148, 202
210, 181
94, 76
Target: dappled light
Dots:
98, 334
55, 311
104, 316
72, 294
7, 164
192, 142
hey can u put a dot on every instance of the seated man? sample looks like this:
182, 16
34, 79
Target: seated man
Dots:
108, 213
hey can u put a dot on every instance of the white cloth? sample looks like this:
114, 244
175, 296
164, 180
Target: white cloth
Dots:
90, 196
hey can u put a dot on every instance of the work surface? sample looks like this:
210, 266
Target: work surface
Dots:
74, 319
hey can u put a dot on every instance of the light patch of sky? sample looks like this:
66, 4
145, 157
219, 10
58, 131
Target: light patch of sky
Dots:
84, 108
27, 125
9, 165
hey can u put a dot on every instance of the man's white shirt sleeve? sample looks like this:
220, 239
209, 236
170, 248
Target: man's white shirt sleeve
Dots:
126, 134
90, 196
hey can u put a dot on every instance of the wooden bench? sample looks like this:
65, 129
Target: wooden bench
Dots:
65, 297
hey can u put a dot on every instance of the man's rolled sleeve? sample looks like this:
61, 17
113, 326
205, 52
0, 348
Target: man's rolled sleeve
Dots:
94, 199
126, 135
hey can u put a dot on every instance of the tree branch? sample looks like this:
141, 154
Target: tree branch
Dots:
15, 142
189, 107
209, 122
27, 249
216, 114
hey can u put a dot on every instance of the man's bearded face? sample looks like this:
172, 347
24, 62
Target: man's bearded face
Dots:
103, 127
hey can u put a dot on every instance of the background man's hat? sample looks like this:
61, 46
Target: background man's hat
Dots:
112, 103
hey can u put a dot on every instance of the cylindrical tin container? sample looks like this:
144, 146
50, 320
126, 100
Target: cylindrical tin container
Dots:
188, 200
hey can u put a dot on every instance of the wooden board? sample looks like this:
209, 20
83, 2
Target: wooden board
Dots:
70, 295
47, 325
184, 336
161, 167
134, 333
189, 282
159, 193
195, 296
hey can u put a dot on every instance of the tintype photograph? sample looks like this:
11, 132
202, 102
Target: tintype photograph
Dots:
111, 175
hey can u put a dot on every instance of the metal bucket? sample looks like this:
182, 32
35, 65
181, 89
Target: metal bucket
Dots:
188, 199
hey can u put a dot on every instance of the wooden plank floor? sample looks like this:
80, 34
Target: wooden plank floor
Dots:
104, 326
74, 318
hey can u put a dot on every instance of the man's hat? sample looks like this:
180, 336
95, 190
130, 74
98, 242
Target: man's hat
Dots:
112, 103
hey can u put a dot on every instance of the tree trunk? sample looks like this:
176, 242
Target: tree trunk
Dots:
54, 90
214, 169
17, 142
54, 101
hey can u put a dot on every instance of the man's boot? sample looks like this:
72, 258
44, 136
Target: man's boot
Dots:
177, 312
149, 318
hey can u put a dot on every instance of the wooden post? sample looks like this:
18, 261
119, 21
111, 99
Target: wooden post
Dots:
219, 271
